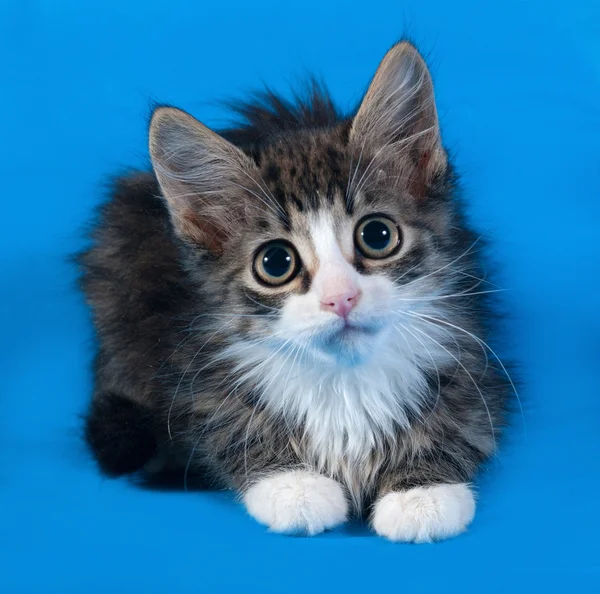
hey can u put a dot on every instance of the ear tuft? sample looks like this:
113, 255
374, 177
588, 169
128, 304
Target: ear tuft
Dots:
397, 118
200, 175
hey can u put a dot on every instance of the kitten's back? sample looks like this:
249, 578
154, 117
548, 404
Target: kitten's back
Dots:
133, 281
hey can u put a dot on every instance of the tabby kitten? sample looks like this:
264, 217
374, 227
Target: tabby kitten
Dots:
293, 309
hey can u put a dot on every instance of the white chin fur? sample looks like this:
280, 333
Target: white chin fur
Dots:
297, 501
424, 514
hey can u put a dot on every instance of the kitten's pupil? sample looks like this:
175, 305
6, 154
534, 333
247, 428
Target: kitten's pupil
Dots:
277, 261
376, 235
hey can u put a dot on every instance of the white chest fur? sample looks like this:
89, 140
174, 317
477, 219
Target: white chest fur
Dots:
346, 412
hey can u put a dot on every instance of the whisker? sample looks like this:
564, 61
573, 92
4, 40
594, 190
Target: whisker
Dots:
261, 304
350, 189
483, 280
181, 380
226, 315
275, 376
189, 461
465, 253
470, 377
276, 207
437, 297
482, 343
435, 365
182, 343
246, 442
224, 355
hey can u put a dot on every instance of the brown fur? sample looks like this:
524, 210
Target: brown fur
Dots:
169, 281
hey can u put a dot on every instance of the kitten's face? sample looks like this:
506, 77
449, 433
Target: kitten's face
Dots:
329, 284
342, 315
315, 240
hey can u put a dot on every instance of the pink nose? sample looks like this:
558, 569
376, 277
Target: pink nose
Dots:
341, 304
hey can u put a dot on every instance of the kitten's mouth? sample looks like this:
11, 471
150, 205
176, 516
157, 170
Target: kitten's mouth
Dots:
349, 344
348, 330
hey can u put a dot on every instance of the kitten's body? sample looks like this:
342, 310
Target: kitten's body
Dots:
215, 374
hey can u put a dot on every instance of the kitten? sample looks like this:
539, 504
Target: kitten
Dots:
293, 309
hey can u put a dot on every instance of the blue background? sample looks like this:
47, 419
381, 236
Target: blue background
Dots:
518, 87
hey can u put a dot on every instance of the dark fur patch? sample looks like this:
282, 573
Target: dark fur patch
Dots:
267, 115
119, 433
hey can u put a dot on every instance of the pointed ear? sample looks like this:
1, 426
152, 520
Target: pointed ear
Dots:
200, 175
398, 121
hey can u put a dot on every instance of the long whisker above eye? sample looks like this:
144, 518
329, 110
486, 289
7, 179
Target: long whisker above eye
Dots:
271, 202
346, 195
265, 202
351, 177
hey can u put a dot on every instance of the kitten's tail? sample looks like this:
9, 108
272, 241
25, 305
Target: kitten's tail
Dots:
119, 432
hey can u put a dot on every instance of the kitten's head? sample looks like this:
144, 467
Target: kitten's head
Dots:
316, 240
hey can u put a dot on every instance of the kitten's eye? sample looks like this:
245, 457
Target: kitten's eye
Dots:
377, 237
276, 263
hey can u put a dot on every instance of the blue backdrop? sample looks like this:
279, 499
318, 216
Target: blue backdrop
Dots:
518, 86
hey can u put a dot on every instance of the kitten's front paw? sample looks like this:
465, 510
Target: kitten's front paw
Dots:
424, 514
297, 501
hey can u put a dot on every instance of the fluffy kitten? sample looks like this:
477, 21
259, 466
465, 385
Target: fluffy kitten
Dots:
294, 308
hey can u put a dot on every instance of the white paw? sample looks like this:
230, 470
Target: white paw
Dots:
297, 501
424, 514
